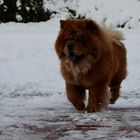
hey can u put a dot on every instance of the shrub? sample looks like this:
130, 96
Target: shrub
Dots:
23, 11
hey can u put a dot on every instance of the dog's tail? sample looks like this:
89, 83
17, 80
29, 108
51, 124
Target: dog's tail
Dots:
115, 35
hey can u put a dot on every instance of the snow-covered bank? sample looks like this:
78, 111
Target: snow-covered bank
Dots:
113, 12
28, 62
27, 58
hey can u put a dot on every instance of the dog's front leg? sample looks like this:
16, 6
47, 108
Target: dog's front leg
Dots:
76, 95
98, 97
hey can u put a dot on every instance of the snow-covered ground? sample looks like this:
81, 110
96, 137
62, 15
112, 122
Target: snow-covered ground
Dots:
33, 104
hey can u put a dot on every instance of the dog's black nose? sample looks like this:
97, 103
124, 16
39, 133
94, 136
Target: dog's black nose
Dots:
70, 47
71, 52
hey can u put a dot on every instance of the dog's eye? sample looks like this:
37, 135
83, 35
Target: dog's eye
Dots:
80, 39
79, 33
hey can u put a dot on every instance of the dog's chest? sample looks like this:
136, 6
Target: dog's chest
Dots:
85, 81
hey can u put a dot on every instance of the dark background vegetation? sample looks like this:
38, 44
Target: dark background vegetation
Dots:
26, 11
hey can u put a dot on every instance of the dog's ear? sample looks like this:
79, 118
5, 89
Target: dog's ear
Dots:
62, 23
92, 26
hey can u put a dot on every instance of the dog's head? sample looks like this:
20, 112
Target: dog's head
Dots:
78, 44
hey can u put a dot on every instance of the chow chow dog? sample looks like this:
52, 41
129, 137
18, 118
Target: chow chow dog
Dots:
93, 59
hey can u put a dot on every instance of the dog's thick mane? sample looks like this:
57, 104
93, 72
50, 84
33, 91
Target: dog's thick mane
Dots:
80, 68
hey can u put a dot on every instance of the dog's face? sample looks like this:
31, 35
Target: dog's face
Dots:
78, 44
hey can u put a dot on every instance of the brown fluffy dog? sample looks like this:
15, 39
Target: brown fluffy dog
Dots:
92, 58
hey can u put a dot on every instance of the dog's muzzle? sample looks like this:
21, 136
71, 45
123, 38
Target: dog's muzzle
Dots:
72, 54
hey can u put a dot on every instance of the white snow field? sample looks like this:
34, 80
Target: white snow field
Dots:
33, 105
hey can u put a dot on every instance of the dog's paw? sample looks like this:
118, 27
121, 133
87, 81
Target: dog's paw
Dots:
91, 109
80, 106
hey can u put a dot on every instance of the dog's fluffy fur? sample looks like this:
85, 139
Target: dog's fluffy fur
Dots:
92, 58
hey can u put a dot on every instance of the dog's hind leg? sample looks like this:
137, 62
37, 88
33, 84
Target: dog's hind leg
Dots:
115, 88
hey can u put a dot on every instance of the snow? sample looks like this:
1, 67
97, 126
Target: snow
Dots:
33, 103
26, 58
112, 12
